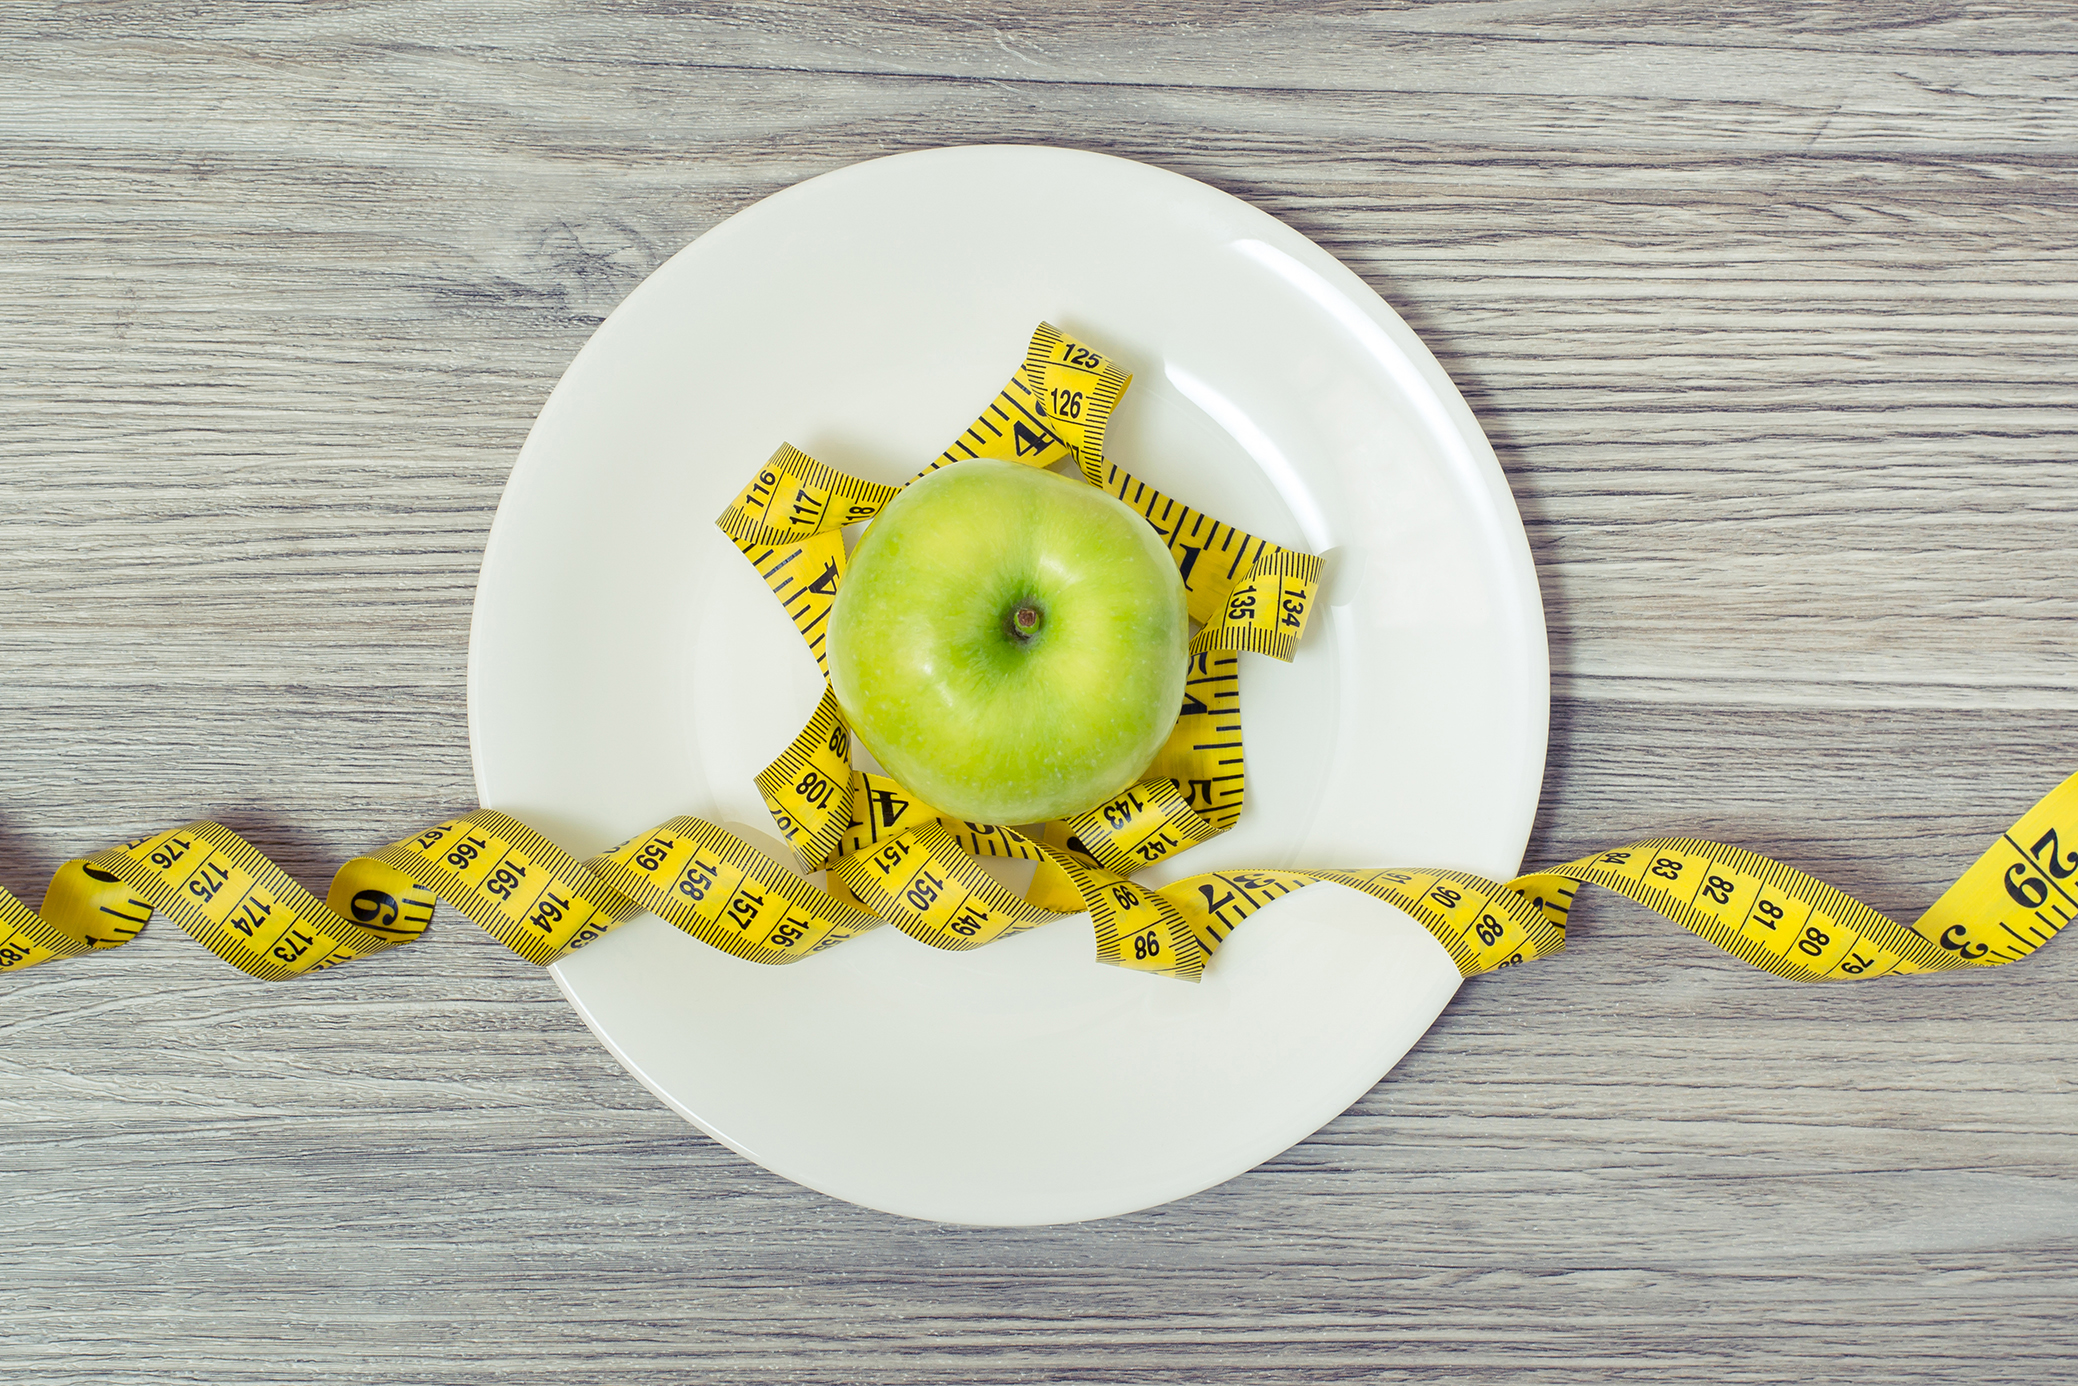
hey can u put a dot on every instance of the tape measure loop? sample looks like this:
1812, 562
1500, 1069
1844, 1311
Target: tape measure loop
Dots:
892, 858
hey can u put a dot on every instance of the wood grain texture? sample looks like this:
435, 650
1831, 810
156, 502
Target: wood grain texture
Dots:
1768, 309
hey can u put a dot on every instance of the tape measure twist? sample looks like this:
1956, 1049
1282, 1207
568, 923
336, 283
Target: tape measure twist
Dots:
891, 858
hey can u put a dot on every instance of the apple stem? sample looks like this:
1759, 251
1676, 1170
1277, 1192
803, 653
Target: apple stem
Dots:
1024, 622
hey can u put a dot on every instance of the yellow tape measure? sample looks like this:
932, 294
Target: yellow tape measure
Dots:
891, 858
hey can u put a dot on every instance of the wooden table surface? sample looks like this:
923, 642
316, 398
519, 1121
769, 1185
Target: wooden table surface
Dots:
1768, 310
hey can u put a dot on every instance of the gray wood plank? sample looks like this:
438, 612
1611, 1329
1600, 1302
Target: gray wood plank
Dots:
1768, 311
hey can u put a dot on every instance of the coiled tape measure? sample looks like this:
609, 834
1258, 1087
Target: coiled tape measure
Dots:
892, 859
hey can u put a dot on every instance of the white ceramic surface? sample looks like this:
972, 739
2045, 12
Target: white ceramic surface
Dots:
627, 665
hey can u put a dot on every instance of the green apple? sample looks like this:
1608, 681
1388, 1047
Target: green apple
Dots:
1009, 644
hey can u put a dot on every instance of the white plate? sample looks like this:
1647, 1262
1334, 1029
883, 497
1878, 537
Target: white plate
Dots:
627, 665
